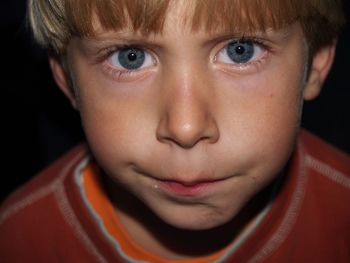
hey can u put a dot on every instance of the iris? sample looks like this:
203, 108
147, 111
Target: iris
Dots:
240, 51
131, 58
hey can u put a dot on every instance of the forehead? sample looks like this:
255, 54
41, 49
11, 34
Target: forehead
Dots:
151, 16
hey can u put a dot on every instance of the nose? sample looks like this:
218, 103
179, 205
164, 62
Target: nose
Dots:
187, 117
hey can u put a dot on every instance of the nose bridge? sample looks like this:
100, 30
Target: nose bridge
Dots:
187, 117
186, 106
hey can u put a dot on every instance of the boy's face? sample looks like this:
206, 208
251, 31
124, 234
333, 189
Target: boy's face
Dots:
193, 124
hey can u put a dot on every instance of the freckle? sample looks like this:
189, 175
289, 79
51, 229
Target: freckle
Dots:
254, 178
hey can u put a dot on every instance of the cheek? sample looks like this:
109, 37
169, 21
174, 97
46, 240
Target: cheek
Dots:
115, 133
262, 114
115, 122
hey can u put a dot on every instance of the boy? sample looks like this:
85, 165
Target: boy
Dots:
191, 111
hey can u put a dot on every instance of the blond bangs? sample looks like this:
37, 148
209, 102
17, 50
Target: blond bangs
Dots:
245, 16
149, 16
63, 19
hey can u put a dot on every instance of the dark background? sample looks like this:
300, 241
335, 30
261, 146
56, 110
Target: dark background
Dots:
39, 125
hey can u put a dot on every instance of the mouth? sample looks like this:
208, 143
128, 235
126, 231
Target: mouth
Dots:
188, 189
191, 186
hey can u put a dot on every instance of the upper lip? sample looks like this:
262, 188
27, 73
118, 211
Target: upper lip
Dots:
186, 179
190, 183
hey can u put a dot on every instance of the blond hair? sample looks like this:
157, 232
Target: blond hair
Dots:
55, 22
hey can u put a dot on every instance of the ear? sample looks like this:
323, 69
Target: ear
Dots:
321, 64
62, 79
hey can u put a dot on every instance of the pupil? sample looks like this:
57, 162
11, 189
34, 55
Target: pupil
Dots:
240, 50
132, 56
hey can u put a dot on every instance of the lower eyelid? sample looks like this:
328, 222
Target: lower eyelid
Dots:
125, 75
242, 69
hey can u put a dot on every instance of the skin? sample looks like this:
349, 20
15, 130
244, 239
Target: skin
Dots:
190, 117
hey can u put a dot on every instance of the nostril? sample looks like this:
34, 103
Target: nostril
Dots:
186, 135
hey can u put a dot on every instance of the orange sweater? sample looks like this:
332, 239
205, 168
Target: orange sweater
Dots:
63, 215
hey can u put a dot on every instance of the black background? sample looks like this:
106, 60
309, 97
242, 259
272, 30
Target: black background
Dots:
38, 124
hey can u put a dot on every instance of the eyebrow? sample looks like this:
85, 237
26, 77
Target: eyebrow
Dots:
94, 45
130, 37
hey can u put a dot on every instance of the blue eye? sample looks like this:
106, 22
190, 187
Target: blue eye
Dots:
240, 52
131, 59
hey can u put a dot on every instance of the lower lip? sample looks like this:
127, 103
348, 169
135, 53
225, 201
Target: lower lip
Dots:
187, 190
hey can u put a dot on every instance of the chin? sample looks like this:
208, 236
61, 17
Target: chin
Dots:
195, 218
